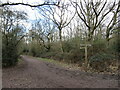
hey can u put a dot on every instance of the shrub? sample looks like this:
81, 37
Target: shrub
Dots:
67, 46
9, 55
99, 45
101, 61
115, 45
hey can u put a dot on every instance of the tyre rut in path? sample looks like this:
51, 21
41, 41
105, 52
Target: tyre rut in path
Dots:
32, 73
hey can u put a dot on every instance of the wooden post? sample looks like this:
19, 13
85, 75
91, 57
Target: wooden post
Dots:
84, 46
86, 59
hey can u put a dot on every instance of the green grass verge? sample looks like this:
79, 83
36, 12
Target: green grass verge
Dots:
20, 61
53, 61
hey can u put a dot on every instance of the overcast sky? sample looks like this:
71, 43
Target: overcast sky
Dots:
32, 14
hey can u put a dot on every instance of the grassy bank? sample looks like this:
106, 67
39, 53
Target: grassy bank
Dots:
60, 63
74, 66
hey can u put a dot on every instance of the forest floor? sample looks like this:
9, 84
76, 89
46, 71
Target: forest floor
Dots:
34, 73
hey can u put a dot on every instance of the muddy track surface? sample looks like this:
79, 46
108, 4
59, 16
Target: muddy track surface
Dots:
33, 73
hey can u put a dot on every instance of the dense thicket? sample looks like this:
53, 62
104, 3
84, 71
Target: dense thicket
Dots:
12, 33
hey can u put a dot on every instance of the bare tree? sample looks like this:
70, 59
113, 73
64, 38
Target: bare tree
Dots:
93, 13
113, 22
42, 32
10, 21
60, 16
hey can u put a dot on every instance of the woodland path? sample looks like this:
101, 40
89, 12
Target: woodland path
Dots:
33, 73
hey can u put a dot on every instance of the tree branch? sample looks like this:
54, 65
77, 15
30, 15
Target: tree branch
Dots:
6, 4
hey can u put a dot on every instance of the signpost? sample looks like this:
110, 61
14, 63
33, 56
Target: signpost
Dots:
84, 46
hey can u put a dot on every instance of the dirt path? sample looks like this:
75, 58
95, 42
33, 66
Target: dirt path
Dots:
32, 73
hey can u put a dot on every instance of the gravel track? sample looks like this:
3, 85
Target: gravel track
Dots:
33, 73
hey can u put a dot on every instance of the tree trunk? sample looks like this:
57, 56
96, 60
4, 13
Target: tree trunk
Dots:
60, 36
